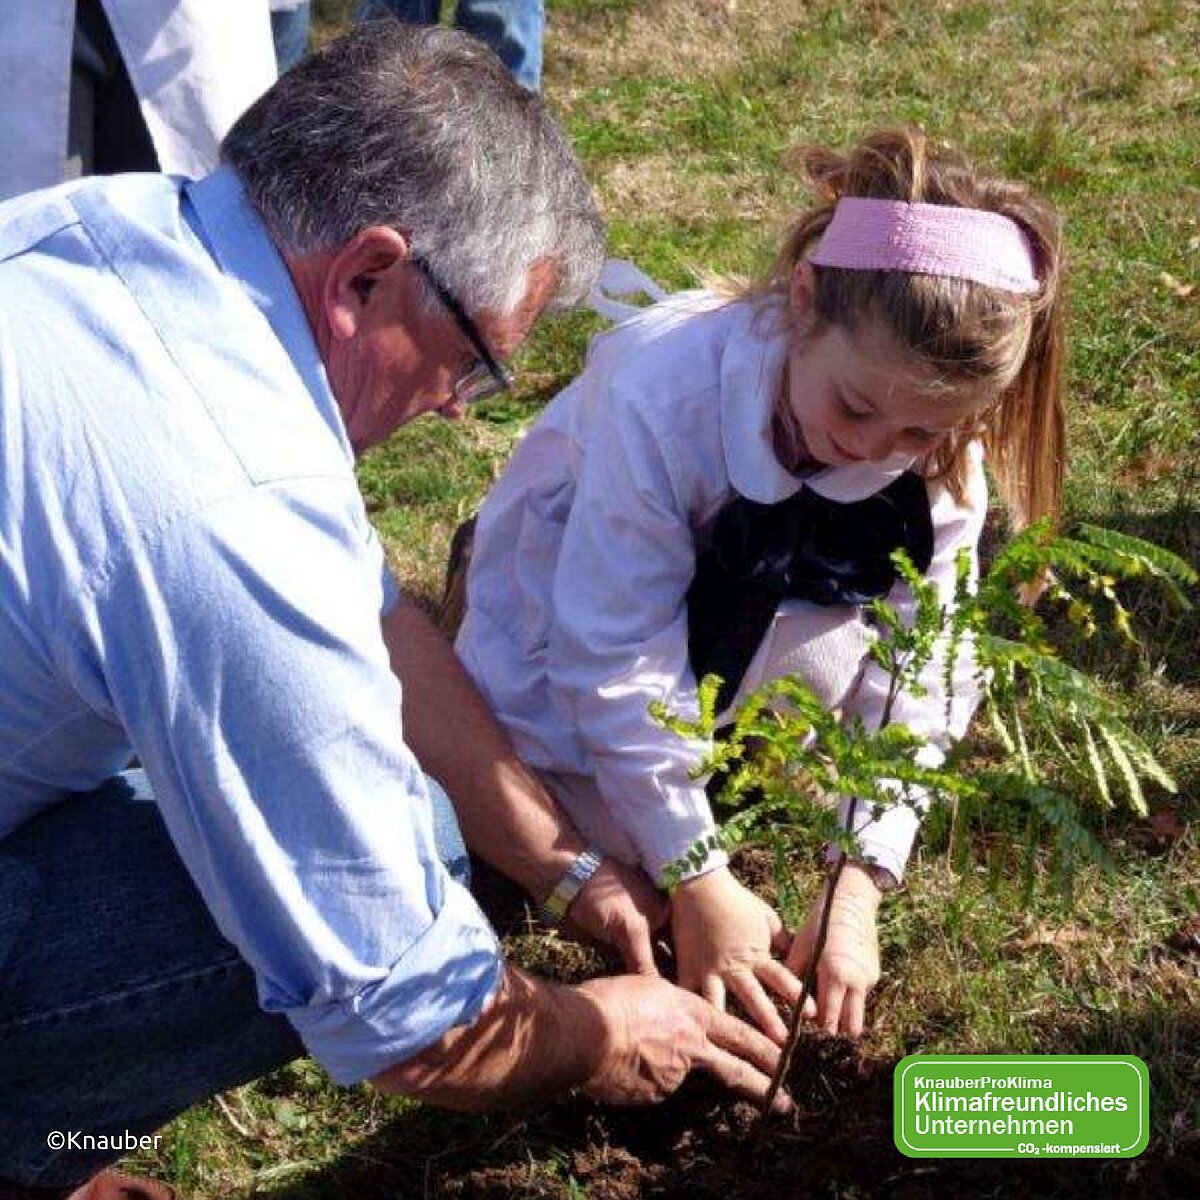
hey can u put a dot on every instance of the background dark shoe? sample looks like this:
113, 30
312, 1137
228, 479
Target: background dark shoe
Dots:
112, 1185
108, 1185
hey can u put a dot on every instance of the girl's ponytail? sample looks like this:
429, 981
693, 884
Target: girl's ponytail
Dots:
1026, 440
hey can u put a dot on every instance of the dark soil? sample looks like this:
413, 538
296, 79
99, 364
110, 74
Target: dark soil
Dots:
701, 1146
840, 1145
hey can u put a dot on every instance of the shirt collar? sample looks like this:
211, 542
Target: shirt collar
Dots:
233, 233
751, 368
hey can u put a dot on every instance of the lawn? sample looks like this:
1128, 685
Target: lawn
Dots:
685, 113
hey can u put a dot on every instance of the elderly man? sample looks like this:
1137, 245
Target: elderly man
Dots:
188, 576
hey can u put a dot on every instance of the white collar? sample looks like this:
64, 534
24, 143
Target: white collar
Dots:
751, 367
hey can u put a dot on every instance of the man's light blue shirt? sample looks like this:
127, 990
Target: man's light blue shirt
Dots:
188, 575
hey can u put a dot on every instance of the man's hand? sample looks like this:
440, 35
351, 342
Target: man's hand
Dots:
620, 907
724, 935
626, 1039
849, 966
659, 1033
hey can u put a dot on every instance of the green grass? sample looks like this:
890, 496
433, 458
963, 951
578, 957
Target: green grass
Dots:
684, 116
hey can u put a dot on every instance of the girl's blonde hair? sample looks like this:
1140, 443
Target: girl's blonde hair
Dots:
966, 332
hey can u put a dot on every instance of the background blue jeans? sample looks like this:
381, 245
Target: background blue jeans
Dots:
289, 32
121, 1004
512, 28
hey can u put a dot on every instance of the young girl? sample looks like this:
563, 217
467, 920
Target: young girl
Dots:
721, 489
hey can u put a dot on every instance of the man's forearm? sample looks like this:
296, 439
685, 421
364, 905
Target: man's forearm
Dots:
506, 815
624, 1039
535, 1039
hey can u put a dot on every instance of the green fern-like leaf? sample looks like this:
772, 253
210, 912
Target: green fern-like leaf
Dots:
1157, 560
1133, 786
1096, 763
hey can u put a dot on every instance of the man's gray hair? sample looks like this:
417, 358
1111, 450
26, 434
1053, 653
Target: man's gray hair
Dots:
421, 129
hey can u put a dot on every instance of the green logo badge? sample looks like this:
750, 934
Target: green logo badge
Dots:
1021, 1106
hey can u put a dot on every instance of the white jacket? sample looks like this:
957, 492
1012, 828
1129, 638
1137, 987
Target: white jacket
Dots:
586, 546
196, 65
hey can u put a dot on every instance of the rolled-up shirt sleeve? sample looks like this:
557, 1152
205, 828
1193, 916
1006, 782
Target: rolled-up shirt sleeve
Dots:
241, 649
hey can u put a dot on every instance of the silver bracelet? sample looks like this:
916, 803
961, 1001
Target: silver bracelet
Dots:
553, 909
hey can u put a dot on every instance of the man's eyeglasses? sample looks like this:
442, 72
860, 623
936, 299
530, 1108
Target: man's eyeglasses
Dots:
487, 376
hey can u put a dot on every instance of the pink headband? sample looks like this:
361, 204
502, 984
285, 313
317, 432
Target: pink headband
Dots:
928, 239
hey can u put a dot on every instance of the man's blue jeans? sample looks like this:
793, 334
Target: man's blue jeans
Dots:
120, 1003
512, 28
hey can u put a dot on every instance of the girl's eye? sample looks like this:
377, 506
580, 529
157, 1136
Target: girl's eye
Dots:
853, 413
923, 435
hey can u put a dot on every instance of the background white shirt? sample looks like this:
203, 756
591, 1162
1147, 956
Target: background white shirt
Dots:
196, 65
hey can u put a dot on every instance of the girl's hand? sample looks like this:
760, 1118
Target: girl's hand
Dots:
724, 936
620, 907
849, 966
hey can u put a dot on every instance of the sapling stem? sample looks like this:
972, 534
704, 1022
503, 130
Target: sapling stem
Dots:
808, 985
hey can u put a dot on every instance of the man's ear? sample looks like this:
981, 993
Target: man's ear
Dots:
801, 292
355, 272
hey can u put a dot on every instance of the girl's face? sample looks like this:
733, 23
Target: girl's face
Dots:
856, 396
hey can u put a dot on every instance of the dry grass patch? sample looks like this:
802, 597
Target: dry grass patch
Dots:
655, 184
694, 39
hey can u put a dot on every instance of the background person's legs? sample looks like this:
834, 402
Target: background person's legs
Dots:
121, 1004
106, 132
289, 32
513, 28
